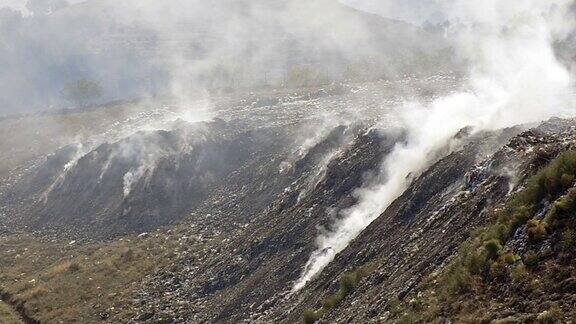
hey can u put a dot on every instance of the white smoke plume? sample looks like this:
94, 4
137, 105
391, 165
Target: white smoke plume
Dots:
142, 48
515, 78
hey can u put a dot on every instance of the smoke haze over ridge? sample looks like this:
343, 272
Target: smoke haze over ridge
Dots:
55, 55
135, 49
515, 78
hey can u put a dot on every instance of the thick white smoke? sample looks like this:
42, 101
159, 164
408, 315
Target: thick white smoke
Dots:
516, 78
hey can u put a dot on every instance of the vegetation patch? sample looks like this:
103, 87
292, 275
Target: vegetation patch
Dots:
76, 283
485, 263
7, 315
348, 283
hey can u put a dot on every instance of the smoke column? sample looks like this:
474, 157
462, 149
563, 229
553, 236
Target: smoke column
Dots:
515, 78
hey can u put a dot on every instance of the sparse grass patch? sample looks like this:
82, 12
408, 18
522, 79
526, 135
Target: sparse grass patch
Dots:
64, 267
7, 316
458, 280
568, 240
348, 282
60, 282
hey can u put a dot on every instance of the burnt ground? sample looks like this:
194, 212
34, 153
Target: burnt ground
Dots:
227, 211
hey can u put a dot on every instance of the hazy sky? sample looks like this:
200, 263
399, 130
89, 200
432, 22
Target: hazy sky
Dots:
15, 4
414, 11
21, 4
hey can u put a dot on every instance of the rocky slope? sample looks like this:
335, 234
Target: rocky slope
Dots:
139, 183
414, 238
215, 221
121, 180
424, 228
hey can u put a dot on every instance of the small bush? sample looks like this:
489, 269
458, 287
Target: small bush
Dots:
531, 259
311, 317
509, 258
417, 304
501, 232
563, 167
332, 301
519, 274
484, 253
458, 281
567, 180
536, 231
493, 248
563, 209
475, 262
348, 282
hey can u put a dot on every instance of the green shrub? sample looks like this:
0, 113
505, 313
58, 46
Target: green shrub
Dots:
476, 261
559, 171
563, 209
550, 181
348, 283
311, 317
567, 180
458, 281
499, 232
509, 258
531, 259
485, 249
493, 248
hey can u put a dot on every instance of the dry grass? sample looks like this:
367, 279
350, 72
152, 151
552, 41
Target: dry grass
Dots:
77, 284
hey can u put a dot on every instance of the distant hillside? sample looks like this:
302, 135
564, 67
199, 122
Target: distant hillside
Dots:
254, 38
134, 48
